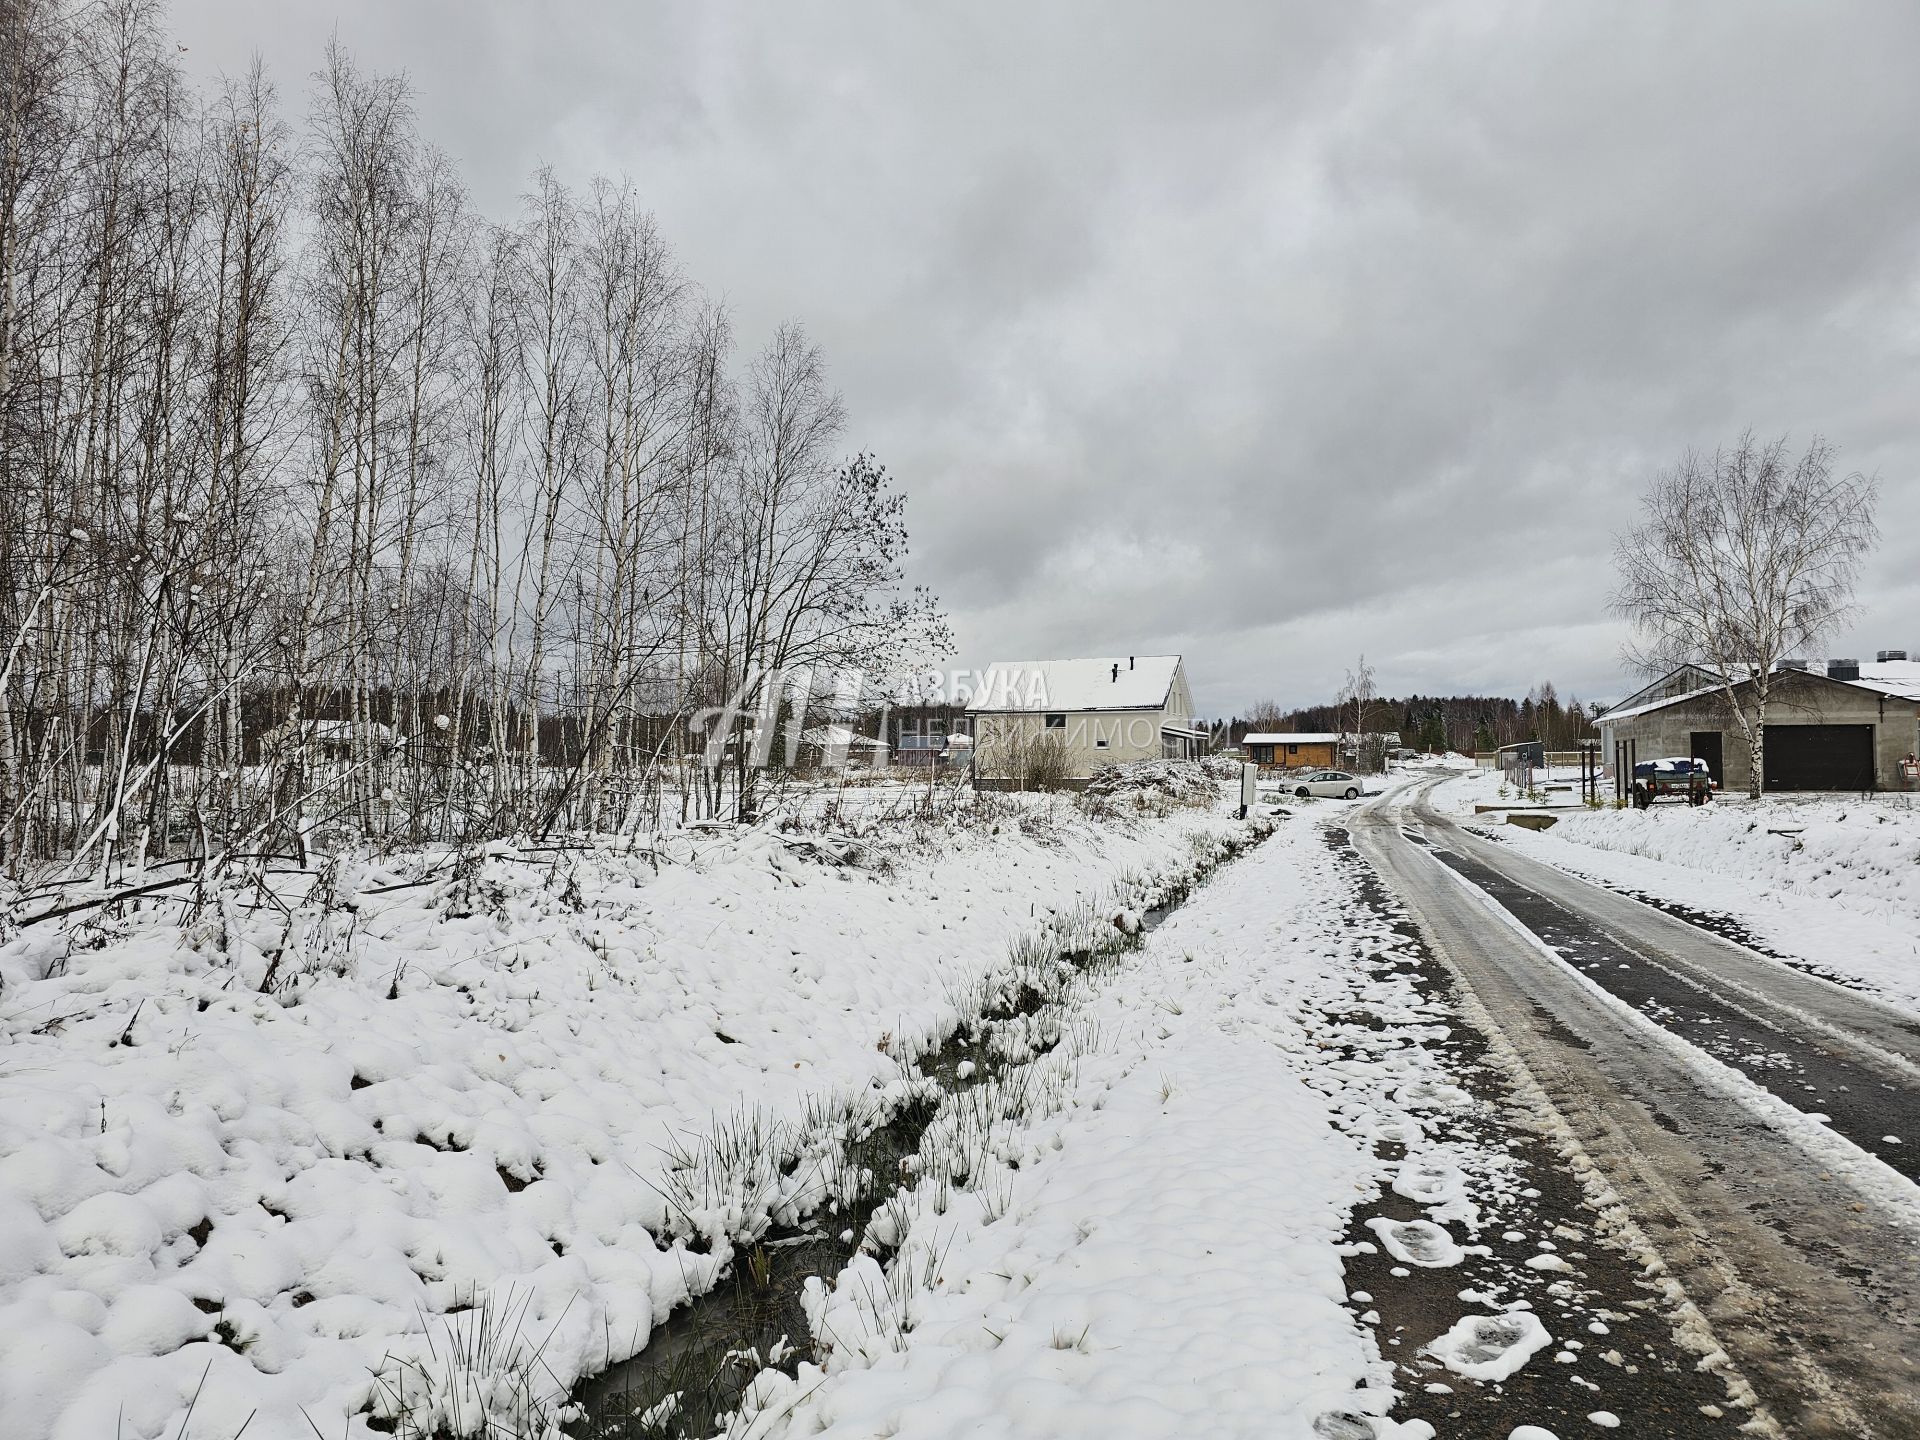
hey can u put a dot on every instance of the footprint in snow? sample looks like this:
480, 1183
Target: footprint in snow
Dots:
1490, 1347
1430, 1182
1417, 1242
1331, 1426
1431, 1093
1340, 1425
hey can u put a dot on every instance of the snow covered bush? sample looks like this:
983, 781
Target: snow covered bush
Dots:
1183, 782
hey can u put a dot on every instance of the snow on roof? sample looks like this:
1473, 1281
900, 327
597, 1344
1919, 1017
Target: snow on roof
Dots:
1681, 680
1899, 678
1633, 712
1891, 677
840, 735
1292, 738
1125, 682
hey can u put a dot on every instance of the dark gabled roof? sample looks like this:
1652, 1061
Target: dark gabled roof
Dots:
1898, 679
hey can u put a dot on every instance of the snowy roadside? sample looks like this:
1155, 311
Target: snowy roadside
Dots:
1156, 1248
1831, 882
266, 1167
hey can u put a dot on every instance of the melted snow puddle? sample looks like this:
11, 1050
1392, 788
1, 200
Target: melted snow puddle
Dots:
700, 1362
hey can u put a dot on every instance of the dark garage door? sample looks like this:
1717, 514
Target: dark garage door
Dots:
1710, 746
1819, 757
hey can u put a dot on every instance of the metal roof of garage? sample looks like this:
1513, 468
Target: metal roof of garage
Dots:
1898, 678
1891, 677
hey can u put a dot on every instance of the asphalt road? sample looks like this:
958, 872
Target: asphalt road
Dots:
1740, 1111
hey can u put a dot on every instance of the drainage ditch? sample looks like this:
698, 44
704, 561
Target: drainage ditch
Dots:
698, 1364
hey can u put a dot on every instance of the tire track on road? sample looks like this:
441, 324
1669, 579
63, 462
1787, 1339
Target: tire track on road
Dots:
1866, 1096
1803, 1270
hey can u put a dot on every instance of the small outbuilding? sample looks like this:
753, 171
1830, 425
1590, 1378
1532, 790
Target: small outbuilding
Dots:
923, 734
1281, 750
1838, 726
1064, 718
837, 746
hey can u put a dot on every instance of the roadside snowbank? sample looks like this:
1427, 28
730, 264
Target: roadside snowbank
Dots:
1841, 892
1862, 853
1475, 786
278, 1159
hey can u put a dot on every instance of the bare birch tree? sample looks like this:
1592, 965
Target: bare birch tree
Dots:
703, 661
1359, 699
555, 371
637, 364
247, 332
40, 557
1742, 559
491, 337
330, 510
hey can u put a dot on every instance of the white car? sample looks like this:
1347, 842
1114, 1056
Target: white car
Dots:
1327, 783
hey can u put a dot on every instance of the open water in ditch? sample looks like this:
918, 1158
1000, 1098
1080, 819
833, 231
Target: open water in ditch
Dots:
698, 1362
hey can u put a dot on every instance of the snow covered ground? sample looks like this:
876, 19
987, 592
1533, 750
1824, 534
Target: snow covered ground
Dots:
277, 1165
1833, 881
1155, 1250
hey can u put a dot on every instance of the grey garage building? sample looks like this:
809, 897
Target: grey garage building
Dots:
1840, 725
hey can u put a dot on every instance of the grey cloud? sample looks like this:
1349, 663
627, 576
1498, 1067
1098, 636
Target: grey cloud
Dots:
1271, 333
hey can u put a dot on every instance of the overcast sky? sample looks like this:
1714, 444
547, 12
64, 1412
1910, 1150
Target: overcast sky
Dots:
1265, 333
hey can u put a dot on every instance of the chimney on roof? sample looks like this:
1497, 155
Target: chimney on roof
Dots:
1885, 655
1116, 672
1843, 669
1129, 662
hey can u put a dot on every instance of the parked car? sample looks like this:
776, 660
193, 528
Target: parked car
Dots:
1337, 783
1678, 777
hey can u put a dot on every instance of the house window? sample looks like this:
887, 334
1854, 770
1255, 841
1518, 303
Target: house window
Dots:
1293, 749
1101, 743
1056, 722
927, 734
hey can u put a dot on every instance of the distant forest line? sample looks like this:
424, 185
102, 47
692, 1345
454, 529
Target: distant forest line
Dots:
1465, 723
